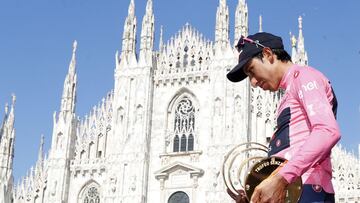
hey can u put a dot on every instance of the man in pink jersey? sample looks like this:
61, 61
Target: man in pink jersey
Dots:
306, 119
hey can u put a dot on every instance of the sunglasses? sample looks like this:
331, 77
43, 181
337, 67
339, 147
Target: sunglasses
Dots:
242, 41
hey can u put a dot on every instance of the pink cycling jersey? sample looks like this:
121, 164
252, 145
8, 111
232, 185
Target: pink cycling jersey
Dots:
306, 127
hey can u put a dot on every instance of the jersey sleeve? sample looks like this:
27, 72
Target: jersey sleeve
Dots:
311, 90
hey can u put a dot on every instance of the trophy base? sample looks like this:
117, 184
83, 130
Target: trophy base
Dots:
262, 170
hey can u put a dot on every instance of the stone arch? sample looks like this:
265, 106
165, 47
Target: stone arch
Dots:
91, 150
178, 95
101, 146
179, 197
120, 115
90, 192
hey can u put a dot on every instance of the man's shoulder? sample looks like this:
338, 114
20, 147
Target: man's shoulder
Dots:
305, 73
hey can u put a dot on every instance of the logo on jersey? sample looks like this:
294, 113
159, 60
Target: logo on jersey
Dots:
310, 109
278, 143
296, 74
317, 188
310, 86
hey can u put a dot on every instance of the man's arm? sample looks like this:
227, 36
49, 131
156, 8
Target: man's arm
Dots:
312, 93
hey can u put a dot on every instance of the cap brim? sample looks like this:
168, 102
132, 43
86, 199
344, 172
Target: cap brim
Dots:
237, 74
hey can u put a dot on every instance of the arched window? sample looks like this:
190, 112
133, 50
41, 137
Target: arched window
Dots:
92, 196
59, 140
191, 142
176, 143
90, 193
101, 146
179, 197
183, 143
120, 115
184, 125
82, 154
91, 150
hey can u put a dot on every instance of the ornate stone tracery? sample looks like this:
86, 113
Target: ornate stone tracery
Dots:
184, 126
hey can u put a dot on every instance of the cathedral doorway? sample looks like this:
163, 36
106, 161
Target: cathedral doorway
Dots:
179, 197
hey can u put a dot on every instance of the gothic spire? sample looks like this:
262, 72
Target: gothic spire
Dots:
222, 26
40, 161
301, 37
302, 58
131, 10
161, 43
149, 7
147, 35
293, 47
241, 20
260, 24
41, 149
9, 118
69, 91
72, 65
7, 136
129, 36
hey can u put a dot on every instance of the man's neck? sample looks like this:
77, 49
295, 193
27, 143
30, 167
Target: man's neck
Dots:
284, 67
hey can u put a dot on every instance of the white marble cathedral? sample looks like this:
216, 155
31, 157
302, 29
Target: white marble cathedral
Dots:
161, 134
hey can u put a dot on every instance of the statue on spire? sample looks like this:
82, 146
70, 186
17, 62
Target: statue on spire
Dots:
131, 10
300, 22
74, 46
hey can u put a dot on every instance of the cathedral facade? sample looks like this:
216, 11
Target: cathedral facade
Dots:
161, 134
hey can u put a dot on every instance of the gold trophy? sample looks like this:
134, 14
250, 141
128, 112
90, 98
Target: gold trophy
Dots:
247, 165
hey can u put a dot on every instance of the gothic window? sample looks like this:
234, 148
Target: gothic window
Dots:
192, 63
185, 60
139, 114
178, 60
184, 126
37, 199
92, 196
237, 103
176, 143
120, 115
101, 145
91, 150
82, 154
200, 59
183, 143
191, 142
179, 197
59, 140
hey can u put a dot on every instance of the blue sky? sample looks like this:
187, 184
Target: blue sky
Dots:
36, 43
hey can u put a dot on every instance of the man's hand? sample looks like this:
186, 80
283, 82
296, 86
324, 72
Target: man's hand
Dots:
271, 190
241, 198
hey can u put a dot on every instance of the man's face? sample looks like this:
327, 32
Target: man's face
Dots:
262, 73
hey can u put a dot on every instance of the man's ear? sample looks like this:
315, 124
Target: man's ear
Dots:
268, 54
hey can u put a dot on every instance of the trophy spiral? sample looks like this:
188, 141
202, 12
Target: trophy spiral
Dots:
247, 165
